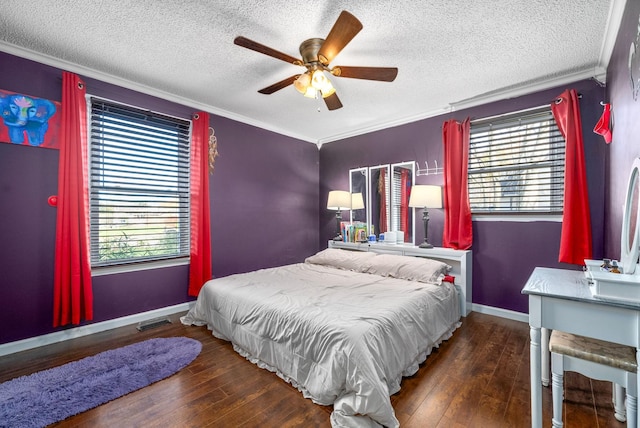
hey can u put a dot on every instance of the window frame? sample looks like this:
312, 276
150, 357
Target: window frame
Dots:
182, 152
506, 122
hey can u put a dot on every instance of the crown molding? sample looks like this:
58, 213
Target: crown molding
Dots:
382, 125
128, 84
596, 73
612, 27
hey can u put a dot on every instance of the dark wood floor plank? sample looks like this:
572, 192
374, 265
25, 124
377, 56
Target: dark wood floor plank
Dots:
517, 413
433, 407
502, 382
414, 389
277, 412
477, 378
490, 412
579, 406
602, 395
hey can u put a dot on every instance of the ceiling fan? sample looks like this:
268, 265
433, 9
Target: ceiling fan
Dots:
316, 55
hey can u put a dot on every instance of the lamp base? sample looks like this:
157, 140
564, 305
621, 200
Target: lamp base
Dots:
425, 219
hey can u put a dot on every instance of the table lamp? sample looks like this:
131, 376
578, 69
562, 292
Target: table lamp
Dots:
339, 200
425, 196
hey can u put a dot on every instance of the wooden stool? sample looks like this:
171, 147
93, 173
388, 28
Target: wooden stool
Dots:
596, 359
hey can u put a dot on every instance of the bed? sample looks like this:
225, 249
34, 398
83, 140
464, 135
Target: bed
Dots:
343, 327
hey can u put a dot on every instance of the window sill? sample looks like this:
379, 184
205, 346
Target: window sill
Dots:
134, 267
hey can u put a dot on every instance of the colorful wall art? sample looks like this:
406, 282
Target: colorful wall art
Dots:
29, 121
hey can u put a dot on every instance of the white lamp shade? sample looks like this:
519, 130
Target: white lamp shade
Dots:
425, 195
302, 83
319, 80
339, 200
357, 203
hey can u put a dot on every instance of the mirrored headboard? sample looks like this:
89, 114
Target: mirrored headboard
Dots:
379, 211
402, 217
359, 184
385, 190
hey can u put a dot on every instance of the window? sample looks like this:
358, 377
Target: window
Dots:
139, 185
516, 164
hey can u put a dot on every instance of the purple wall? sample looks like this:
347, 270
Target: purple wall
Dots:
263, 196
625, 146
504, 253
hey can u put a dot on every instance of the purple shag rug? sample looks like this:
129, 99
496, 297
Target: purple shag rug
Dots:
55, 394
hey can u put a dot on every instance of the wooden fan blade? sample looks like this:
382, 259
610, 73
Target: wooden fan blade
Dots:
277, 86
255, 46
345, 29
333, 102
384, 74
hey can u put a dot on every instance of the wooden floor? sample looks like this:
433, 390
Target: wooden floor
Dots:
478, 378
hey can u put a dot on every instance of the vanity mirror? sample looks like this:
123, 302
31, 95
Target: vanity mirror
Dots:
359, 184
379, 194
608, 285
402, 217
630, 236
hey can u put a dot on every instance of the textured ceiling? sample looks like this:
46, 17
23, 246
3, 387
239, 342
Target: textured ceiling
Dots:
450, 54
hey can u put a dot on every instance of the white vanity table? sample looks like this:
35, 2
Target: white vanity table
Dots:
460, 260
598, 304
562, 299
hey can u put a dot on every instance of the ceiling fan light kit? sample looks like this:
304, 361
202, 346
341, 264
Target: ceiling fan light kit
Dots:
316, 55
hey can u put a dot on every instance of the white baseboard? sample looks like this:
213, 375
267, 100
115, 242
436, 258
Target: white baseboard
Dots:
72, 333
503, 313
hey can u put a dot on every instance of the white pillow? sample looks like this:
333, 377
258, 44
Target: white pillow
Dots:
410, 268
341, 259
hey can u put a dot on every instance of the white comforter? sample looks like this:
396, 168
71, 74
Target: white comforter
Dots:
341, 337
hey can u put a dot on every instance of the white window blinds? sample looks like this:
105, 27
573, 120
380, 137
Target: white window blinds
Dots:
139, 178
516, 164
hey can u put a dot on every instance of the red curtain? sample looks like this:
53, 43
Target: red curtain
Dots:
575, 240
200, 264
72, 292
382, 191
458, 233
405, 186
